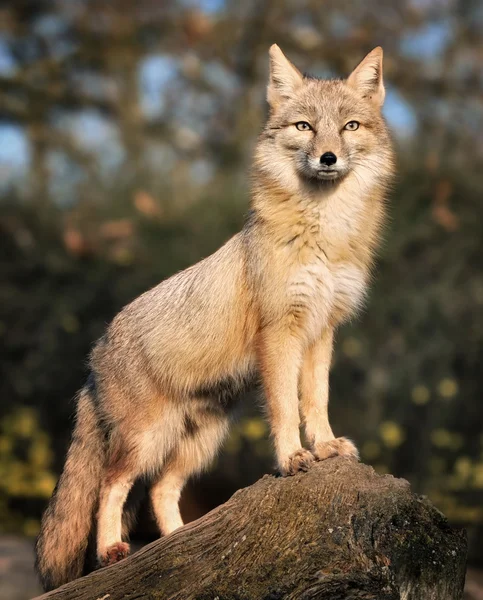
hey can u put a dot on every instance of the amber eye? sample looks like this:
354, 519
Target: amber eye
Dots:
352, 125
303, 126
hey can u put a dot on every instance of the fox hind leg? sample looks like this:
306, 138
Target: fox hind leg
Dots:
205, 430
114, 491
121, 470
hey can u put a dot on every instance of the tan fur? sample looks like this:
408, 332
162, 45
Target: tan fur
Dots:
66, 524
265, 305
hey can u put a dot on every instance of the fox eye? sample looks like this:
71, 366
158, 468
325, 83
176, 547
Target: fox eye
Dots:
303, 126
352, 125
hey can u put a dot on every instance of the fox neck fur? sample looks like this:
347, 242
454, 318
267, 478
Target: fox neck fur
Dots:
342, 221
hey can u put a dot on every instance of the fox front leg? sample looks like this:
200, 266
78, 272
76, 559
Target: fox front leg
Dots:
314, 388
280, 357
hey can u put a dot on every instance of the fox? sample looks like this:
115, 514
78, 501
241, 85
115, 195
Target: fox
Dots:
265, 307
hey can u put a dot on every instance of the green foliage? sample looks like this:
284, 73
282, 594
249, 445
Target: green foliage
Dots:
25, 467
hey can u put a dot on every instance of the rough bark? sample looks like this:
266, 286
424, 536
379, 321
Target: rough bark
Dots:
338, 532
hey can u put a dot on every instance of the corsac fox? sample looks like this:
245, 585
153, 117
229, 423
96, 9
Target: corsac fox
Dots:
160, 396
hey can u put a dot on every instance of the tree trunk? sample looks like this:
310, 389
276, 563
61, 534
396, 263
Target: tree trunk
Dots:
338, 532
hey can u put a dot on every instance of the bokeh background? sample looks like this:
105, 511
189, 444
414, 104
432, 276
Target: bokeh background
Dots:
126, 134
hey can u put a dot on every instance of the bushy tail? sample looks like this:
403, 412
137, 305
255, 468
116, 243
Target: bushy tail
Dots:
66, 524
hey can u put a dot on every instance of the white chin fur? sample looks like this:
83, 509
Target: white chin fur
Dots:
324, 176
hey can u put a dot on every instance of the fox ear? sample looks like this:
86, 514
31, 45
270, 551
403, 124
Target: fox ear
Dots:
284, 77
367, 77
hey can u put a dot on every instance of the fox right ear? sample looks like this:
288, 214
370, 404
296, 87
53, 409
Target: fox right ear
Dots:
285, 78
367, 77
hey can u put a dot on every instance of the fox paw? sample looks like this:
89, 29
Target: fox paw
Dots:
301, 460
338, 447
114, 554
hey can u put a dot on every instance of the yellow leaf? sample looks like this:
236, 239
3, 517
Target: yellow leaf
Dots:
463, 467
448, 388
44, 485
254, 429
40, 454
5, 445
420, 395
392, 434
24, 422
441, 438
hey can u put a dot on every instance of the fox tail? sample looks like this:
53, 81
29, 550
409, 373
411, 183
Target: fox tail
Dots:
61, 546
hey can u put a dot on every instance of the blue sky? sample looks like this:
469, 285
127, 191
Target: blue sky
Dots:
428, 41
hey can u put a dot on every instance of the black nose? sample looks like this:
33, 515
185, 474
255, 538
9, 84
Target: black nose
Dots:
328, 159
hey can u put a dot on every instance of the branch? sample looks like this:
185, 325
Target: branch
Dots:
338, 532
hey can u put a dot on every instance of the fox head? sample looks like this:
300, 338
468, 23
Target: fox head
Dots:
320, 132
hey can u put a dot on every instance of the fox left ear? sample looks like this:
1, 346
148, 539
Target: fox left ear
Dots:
367, 77
285, 78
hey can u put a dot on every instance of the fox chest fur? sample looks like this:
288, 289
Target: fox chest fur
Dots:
316, 272
320, 290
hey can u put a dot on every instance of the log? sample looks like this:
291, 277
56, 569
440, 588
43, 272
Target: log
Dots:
338, 532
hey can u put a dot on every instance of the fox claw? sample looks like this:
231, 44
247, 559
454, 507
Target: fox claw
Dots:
301, 460
114, 554
338, 447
